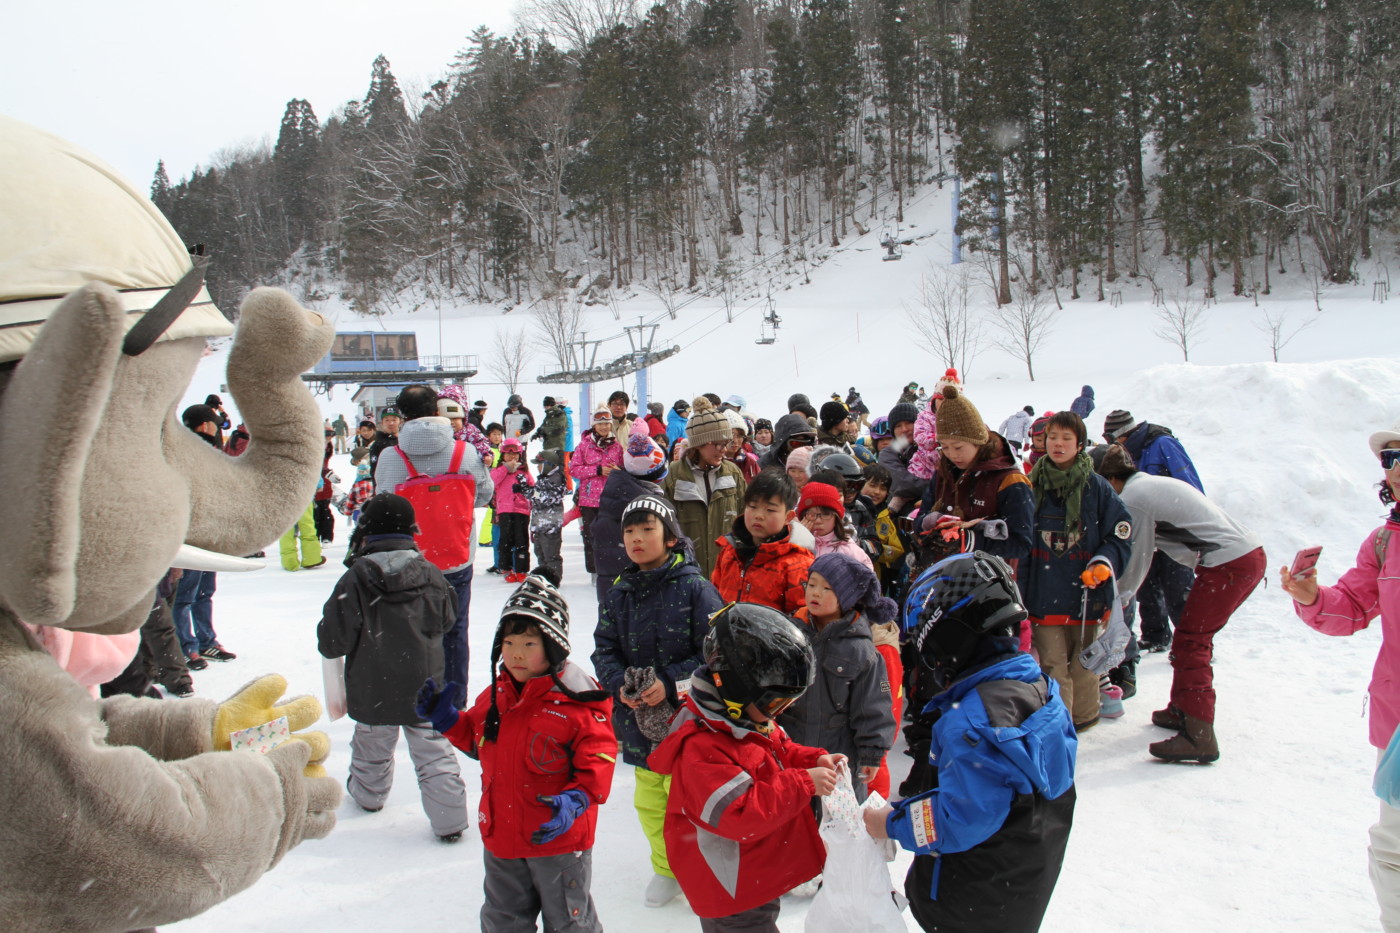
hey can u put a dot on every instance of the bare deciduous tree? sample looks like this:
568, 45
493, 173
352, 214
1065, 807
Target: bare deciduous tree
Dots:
510, 354
558, 323
1024, 324
943, 320
572, 24
1180, 322
1273, 324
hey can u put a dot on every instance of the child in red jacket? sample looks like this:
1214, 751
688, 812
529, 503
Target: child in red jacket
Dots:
758, 563
740, 831
543, 734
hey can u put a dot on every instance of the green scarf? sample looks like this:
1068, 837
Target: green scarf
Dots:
1068, 484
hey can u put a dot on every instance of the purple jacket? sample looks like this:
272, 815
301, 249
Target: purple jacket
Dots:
1364, 592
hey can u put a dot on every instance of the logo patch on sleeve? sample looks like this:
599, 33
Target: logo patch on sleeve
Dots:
921, 821
1123, 530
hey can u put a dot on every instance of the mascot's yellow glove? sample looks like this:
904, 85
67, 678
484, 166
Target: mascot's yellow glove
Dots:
255, 704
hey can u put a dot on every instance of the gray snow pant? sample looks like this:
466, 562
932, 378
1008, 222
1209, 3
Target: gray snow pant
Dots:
439, 779
760, 919
520, 889
547, 552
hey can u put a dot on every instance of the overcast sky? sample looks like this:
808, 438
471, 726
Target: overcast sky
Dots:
135, 81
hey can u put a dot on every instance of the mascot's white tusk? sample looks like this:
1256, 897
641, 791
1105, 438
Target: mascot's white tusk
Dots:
190, 557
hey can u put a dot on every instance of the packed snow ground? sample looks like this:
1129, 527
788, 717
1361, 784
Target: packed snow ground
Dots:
1270, 838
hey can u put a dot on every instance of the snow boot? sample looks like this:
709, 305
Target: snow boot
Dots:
1195, 742
662, 891
1111, 702
1169, 718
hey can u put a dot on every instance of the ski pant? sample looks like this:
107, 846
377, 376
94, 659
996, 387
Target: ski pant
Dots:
1383, 855
340, 446
159, 659
325, 523
587, 513
760, 919
194, 611
520, 889
548, 556
515, 542
649, 797
439, 779
1162, 598
1059, 647
456, 652
1216, 594
305, 532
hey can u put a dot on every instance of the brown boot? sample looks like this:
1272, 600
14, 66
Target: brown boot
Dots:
1195, 742
1169, 718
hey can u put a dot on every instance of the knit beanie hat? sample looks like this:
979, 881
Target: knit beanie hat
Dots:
450, 408
762, 424
681, 405
1118, 423
367, 424
820, 494
949, 378
386, 514
707, 425
855, 586
800, 458
833, 413
658, 506
642, 456
539, 603
656, 408
959, 419
797, 401
358, 455
601, 412
1113, 461
547, 457
904, 411
736, 421
1040, 425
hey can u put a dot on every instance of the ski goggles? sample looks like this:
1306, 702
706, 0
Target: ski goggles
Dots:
1389, 457
801, 440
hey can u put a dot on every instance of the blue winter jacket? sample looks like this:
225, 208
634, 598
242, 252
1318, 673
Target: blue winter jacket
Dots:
1002, 732
1049, 579
652, 618
1156, 451
570, 436
1083, 406
675, 427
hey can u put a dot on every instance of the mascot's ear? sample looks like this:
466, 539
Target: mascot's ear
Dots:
50, 412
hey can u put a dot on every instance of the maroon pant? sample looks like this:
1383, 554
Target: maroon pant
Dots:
1216, 594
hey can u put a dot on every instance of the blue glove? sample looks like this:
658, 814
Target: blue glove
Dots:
440, 709
567, 807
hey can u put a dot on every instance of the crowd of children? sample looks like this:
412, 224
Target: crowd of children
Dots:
750, 649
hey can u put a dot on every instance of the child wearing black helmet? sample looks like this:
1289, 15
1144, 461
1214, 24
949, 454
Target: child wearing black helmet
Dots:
740, 830
990, 831
546, 747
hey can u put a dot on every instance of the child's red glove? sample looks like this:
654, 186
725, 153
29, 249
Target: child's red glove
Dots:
1096, 575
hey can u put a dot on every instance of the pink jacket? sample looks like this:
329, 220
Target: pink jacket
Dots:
587, 464
926, 437
830, 544
1363, 592
506, 499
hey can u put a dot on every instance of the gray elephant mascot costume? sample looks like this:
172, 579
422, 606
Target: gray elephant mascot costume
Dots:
124, 813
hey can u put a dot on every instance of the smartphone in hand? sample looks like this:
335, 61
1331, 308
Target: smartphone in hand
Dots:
1305, 562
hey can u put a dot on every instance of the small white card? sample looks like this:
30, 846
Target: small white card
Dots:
262, 738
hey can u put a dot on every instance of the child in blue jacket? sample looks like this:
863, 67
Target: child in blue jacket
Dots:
990, 834
650, 636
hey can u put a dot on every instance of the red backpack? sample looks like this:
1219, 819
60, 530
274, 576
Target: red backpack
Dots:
445, 507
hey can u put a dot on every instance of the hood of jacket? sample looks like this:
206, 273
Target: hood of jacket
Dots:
787, 426
393, 569
425, 436
571, 681
695, 717
1087, 392
742, 542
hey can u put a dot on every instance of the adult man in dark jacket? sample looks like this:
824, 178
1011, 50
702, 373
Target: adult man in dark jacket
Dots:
556, 425
905, 488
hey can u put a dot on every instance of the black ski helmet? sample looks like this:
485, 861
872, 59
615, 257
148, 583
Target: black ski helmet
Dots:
847, 466
757, 655
956, 602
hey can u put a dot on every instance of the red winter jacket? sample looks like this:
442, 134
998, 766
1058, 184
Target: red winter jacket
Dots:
739, 824
775, 576
547, 743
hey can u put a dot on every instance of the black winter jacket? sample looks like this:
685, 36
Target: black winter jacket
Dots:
609, 556
387, 616
658, 619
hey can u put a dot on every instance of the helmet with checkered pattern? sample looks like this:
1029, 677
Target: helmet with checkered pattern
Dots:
958, 601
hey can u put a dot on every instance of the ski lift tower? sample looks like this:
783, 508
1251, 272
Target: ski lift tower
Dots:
640, 357
641, 336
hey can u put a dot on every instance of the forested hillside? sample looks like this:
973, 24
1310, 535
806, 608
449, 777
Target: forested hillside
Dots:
676, 148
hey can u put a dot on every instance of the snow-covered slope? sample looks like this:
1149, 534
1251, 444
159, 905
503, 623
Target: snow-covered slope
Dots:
1270, 838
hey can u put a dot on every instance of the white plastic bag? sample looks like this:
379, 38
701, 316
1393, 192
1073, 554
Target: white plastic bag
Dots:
333, 676
1108, 649
856, 895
